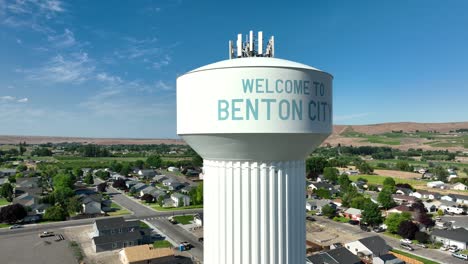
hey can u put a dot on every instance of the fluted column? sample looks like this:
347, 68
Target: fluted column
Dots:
254, 212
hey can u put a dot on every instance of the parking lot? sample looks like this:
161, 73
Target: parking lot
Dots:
28, 247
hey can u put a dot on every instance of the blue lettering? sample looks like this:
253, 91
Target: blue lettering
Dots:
236, 109
252, 109
298, 86
306, 87
266, 85
223, 113
311, 115
268, 104
278, 90
284, 105
297, 109
258, 85
247, 85
288, 86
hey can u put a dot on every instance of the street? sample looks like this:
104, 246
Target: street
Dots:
431, 254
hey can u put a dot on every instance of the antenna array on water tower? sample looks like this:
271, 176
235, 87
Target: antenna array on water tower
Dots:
251, 47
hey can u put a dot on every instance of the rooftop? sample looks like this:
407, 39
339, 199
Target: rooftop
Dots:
459, 234
376, 245
146, 252
113, 223
129, 236
335, 256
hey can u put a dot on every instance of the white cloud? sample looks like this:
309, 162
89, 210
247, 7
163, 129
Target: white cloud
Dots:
7, 98
59, 69
161, 85
19, 41
162, 62
12, 99
108, 78
23, 100
67, 39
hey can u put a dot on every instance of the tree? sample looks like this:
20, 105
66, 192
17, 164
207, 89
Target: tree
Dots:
41, 152
73, 205
350, 194
88, 179
328, 211
360, 202
126, 169
371, 214
102, 187
148, 198
404, 166
55, 213
154, 161
119, 184
161, 200
385, 198
344, 182
440, 212
393, 221
441, 173
315, 166
78, 172
364, 168
62, 180
421, 237
21, 168
12, 213
390, 182
197, 160
407, 229
103, 175
7, 191
323, 193
22, 148
331, 174
115, 166
404, 185
139, 164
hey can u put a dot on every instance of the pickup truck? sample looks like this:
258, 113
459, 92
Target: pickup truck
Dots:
46, 234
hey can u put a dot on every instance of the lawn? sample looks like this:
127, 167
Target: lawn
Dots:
3, 201
341, 219
144, 225
156, 207
2, 225
423, 260
119, 210
162, 244
184, 219
378, 180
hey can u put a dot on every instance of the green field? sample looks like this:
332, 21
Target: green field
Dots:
2, 225
101, 162
119, 210
423, 260
156, 207
377, 139
378, 180
416, 163
162, 244
184, 219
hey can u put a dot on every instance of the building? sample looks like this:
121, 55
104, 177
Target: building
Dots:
116, 233
387, 259
335, 256
421, 194
457, 237
147, 254
159, 178
91, 204
179, 199
459, 186
7, 172
353, 213
146, 174
404, 199
318, 204
399, 209
173, 169
369, 247
435, 184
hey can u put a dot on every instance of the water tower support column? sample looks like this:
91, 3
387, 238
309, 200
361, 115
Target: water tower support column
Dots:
254, 212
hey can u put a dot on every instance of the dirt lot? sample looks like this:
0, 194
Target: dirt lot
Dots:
30, 248
82, 235
398, 174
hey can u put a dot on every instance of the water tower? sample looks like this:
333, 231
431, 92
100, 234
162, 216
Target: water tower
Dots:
254, 119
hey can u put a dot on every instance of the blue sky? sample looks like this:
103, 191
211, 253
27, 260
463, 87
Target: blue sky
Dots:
108, 68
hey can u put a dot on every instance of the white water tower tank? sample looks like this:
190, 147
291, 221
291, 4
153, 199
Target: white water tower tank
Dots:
254, 119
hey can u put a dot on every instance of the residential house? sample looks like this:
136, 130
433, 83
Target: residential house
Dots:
176, 186
173, 169
399, 209
387, 259
445, 204
451, 177
138, 187
404, 199
146, 174
338, 202
7, 172
188, 189
180, 199
130, 184
116, 233
169, 182
435, 184
373, 196
448, 197
352, 172
323, 185
457, 237
353, 213
147, 254
430, 206
335, 256
403, 191
459, 186
4, 180
318, 204
421, 171
461, 199
117, 176
369, 247
156, 193
91, 204
198, 219
160, 178
428, 175
147, 190
422, 194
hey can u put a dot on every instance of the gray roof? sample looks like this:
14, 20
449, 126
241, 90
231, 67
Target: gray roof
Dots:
324, 185
114, 223
376, 245
391, 259
459, 234
335, 256
129, 236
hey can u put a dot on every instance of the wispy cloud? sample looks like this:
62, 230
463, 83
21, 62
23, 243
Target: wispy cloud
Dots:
12, 99
105, 77
162, 85
65, 40
350, 117
147, 51
23, 100
7, 98
59, 69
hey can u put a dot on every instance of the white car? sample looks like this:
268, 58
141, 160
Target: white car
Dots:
453, 249
406, 241
15, 226
444, 248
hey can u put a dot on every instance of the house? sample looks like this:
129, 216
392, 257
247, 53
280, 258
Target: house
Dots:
428, 175
435, 184
169, 182
180, 199
403, 191
335, 256
138, 187
461, 199
444, 204
404, 199
198, 219
352, 172
430, 207
371, 247
459, 186
323, 185
130, 184
422, 171
451, 177
387, 259
147, 254
457, 237
7, 172
421, 194
116, 233
448, 197
318, 204
147, 190
187, 189
176, 186
26, 200
399, 209
117, 176
173, 169
160, 178
156, 193
353, 213
91, 205
146, 174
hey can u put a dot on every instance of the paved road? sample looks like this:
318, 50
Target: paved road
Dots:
432, 254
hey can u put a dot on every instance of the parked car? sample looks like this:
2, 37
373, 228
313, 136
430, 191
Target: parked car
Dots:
406, 241
353, 222
46, 234
378, 229
444, 248
173, 221
460, 256
364, 228
421, 245
453, 249
310, 218
318, 214
406, 246
15, 226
